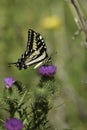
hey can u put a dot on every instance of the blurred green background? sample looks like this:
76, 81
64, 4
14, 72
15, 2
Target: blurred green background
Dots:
55, 21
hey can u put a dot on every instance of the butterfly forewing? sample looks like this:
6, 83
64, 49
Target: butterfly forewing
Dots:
36, 51
31, 40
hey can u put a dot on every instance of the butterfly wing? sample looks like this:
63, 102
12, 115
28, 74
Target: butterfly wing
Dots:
38, 48
30, 43
36, 51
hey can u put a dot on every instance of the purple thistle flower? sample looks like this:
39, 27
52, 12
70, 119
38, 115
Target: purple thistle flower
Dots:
9, 81
14, 124
47, 70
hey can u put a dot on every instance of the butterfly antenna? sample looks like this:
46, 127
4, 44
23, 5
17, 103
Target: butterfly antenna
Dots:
14, 63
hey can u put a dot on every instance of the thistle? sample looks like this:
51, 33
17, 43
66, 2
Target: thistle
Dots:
29, 114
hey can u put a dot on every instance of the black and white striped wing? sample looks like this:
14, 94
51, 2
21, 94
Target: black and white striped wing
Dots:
35, 53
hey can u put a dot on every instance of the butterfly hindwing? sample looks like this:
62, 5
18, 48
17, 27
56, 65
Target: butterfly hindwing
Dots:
36, 51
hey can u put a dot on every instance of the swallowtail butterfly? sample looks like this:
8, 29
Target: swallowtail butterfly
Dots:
35, 53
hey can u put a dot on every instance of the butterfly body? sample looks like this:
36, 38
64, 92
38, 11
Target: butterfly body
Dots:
35, 53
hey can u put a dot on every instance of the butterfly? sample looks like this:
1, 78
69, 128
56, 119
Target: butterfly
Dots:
35, 53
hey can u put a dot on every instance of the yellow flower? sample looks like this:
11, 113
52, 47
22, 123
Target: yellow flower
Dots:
51, 22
